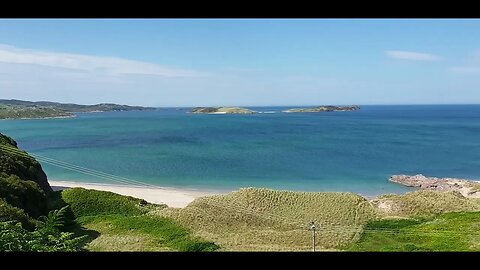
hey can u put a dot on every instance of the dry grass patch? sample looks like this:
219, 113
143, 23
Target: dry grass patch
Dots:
264, 219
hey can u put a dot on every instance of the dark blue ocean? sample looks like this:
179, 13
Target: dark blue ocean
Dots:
335, 151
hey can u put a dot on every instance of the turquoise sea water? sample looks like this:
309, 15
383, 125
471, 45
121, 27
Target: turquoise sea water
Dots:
336, 151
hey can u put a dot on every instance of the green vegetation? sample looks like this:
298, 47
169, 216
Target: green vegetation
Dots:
87, 202
427, 203
36, 219
14, 161
141, 233
26, 195
46, 237
124, 226
12, 213
19, 112
263, 219
448, 232
15, 109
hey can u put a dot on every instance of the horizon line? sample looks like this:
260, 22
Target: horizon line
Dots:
353, 104
238, 105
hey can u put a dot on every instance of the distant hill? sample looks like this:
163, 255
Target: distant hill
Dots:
328, 108
16, 109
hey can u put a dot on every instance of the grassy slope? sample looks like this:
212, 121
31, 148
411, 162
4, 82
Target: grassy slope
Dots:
15, 109
458, 231
15, 112
123, 224
263, 219
425, 203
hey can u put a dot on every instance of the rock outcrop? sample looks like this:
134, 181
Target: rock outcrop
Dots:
222, 110
467, 188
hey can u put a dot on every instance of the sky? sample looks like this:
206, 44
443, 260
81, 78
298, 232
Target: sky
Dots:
241, 62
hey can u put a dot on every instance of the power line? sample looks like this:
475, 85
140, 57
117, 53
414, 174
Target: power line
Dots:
77, 168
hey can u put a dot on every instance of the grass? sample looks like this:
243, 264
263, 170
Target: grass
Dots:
425, 203
141, 233
474, 187
88, 202
263, 219
15, 112
254, 219
119, 223
458, 231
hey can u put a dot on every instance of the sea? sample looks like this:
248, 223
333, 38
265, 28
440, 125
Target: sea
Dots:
352, 151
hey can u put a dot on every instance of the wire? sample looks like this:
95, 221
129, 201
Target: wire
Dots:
77, 168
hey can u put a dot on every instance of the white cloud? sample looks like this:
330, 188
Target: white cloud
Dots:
465, 69
95, 64
415, 56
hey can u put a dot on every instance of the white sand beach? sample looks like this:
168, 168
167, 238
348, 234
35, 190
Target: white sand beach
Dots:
162, 195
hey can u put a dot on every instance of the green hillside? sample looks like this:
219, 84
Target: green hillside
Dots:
447, 232
17, 109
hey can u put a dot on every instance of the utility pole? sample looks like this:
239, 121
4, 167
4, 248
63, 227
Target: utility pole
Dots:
313, 228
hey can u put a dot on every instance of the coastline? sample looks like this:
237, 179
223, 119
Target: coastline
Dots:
41, 118
173, 197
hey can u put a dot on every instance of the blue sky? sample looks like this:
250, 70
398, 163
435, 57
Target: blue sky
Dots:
241, 62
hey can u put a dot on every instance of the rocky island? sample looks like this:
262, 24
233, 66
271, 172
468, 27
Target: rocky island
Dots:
222, 110
324, 109
20, 109
467, 188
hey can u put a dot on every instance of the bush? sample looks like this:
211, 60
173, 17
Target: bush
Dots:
26, 195
11, 213
14, 161
46, 237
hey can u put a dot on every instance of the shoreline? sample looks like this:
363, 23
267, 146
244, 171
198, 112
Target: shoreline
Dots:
42, 118
173, 197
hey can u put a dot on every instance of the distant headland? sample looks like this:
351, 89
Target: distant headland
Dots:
20, 109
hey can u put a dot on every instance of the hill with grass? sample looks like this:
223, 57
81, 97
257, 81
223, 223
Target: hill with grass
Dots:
261, 219
455, 231
14, 161
264, 219
20, 109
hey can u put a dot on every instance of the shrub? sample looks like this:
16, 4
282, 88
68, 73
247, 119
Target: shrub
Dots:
11, 213
26, 195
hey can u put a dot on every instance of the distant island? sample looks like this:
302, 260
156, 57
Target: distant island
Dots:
324, 109
222, 110
20, 109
